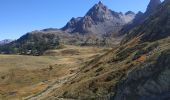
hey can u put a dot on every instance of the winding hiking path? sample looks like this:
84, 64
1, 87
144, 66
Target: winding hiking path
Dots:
56, 84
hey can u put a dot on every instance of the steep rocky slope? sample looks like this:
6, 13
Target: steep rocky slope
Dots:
140, 17
150, 80
153, 28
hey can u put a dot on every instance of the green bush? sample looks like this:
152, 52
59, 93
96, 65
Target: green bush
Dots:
128, 51
146, 50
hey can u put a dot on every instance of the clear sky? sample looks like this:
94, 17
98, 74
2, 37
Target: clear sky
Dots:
20, 16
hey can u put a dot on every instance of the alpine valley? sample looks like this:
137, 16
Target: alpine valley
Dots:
104, 55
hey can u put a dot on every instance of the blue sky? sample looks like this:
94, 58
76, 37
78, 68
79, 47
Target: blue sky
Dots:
20, 16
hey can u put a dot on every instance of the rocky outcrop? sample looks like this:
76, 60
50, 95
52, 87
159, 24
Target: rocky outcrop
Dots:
149, 82
99, 20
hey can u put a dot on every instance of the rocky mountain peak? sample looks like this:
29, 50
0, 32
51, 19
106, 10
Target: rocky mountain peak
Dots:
100, 4
99, 12
99, 20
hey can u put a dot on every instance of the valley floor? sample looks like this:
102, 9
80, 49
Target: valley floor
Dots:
33, 77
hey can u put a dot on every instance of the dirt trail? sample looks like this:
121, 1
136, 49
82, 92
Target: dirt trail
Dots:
56, 84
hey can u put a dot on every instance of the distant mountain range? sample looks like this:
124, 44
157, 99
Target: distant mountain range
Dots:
6, 41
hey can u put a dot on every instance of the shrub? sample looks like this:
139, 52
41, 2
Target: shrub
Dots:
100, 69
146, 50
128, 51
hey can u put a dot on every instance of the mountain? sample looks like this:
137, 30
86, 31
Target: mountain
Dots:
140, 17
99, 20
138, 69
6, 41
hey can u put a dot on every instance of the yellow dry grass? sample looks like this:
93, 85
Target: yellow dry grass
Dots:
21, 76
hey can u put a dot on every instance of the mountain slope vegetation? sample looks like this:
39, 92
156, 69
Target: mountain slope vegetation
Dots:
31, 44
